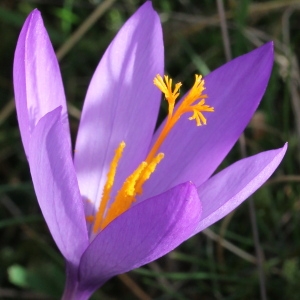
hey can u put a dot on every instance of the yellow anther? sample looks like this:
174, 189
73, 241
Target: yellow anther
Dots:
125, 196
128, 188
128, 192
108, 186
131, 187
147, 172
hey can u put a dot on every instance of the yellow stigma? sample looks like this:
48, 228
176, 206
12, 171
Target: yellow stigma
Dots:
187, 105
166, 88
133, 185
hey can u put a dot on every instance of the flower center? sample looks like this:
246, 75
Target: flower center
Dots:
133, 185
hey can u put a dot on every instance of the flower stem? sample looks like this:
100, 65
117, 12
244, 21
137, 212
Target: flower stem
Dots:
72, 291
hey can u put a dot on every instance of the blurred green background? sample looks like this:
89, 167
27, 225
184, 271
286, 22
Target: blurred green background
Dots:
220, 263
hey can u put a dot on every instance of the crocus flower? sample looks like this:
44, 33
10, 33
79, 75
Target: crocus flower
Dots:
131, 195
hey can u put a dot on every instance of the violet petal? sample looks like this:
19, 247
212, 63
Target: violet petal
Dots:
37, 80
229, 188
142, 234
56, 186
121, 104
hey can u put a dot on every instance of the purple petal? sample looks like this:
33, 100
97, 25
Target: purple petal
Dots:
142, 234
234, 90
37, 80
56, 186
121, 103
225, 191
